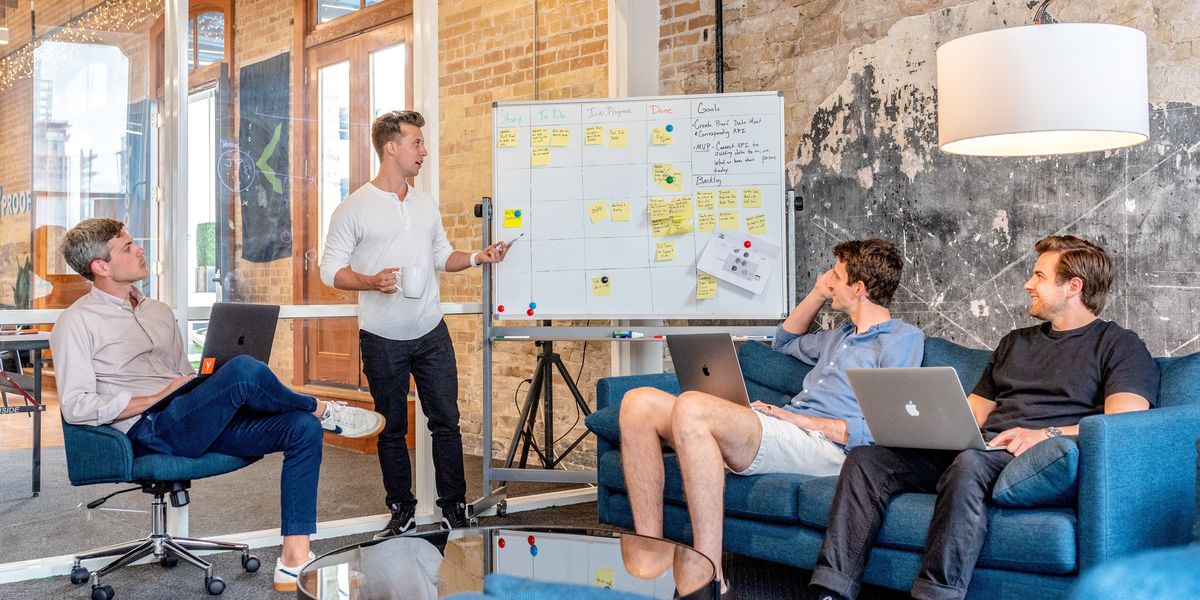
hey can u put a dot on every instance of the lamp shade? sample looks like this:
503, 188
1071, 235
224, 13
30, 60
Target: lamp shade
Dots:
1043, 89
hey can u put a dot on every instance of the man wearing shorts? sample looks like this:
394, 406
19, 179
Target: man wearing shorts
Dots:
811, 435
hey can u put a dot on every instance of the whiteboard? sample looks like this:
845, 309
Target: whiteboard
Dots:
587, 183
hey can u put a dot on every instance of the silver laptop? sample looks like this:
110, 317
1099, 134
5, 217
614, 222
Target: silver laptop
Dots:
707, 362
917, 407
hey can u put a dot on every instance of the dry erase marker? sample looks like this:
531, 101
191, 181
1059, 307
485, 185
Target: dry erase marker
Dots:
514, 240
628, 335
512, 337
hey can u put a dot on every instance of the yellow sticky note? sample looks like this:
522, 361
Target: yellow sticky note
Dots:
539, 157
751, 198
618, 137
660, 227
707, 222
756, 224
598, 211
620, 211
706, 200
681, 225
664, 251
661, 171
681, 206
727, 198
601, 286
729, 220
706, 286
506, 138
540, 136
658, 209
560, 137
593, 135
604, 577
660, 137
512, 218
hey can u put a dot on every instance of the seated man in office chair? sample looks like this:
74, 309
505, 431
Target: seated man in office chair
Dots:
811, 435
118, 352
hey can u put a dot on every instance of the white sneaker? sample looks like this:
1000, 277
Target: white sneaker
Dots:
286, 577
350, 421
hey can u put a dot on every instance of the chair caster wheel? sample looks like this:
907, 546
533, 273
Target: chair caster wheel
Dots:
80, 575
169, 561
215, 585
502, 508
103, 592
250, 563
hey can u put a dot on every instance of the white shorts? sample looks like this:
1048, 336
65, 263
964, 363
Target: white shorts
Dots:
786, 448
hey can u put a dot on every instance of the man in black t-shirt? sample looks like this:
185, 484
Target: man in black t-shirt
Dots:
1041, 381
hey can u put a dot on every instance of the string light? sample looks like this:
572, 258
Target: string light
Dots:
116, 16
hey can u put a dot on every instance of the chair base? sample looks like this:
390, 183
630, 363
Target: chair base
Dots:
163, 547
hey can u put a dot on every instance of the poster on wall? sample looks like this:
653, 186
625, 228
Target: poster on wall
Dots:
263, 156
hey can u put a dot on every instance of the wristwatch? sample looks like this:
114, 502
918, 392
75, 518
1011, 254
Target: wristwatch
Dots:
1052, 431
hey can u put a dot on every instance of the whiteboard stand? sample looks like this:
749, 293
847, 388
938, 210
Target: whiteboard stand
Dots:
541, 391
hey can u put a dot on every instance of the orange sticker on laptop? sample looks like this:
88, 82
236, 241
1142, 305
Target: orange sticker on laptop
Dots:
207, 365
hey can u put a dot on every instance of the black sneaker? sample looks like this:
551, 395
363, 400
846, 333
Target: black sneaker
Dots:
455, 516
403, 521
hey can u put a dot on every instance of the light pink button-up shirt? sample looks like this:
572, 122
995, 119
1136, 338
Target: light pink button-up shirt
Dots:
106, 352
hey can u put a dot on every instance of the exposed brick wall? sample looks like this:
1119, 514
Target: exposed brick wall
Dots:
487, 55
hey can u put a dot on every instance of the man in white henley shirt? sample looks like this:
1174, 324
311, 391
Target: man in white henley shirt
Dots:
380, 229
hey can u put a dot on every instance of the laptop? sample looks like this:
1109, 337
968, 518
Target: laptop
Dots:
707, 362
917, 407
234, 329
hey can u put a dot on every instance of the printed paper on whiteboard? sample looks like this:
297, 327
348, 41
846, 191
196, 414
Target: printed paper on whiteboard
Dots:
746, 261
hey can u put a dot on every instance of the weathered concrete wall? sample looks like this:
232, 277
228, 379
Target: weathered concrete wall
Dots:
866, 163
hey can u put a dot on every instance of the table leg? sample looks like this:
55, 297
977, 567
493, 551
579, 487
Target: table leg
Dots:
37, 423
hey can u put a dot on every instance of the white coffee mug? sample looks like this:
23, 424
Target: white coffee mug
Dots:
413, 281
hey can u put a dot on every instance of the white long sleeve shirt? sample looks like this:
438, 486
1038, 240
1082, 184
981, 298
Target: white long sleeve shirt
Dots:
106, 352
372, 230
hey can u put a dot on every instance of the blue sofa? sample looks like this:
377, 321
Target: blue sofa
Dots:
1136, 487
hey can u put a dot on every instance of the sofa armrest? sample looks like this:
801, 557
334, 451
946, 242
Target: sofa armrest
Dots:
97, 454
1137, 481
610, 390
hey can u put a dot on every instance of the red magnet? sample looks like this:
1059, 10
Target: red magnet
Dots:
500, 543
532, 541
529, 312
500, 308
746, 243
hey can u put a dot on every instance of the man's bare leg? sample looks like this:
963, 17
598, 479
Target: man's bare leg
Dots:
645, 425
711, 433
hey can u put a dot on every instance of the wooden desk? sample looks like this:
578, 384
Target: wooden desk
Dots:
20, 384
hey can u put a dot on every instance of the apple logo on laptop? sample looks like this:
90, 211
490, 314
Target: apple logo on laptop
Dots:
704, 370
241, 340
912, 409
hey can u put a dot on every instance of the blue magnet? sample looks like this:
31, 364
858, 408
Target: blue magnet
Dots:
517, 213
533, 550
670, 128
533, 305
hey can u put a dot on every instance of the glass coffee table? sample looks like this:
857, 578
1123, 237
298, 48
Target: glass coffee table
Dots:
439, 564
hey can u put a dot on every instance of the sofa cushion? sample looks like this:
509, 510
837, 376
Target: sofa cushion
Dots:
773, 497
606, 423
1052, 549
1180, 377
1045, 475
969, 363
499, 585
770, 375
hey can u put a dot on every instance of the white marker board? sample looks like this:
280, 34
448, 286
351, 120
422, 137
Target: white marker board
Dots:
587, 183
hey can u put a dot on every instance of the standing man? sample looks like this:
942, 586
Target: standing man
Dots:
810, 435
117, 353
1040, 382
380, 230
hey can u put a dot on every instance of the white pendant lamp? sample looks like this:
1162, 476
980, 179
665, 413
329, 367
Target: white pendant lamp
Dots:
1043, 89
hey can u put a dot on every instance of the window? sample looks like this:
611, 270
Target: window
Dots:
206, 39
328, 10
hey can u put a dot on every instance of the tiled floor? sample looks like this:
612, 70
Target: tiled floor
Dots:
16, 430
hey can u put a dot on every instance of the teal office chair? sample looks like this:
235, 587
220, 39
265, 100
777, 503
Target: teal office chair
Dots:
105, 455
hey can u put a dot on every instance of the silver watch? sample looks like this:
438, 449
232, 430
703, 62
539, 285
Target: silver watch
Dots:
1052, 431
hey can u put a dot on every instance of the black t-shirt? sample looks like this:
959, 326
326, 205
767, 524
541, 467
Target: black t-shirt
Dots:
1039, 377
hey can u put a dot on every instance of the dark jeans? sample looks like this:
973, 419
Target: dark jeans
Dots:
430, 359
870, 477
243, 410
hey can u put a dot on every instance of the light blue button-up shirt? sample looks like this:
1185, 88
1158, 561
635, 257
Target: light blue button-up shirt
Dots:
826, 390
